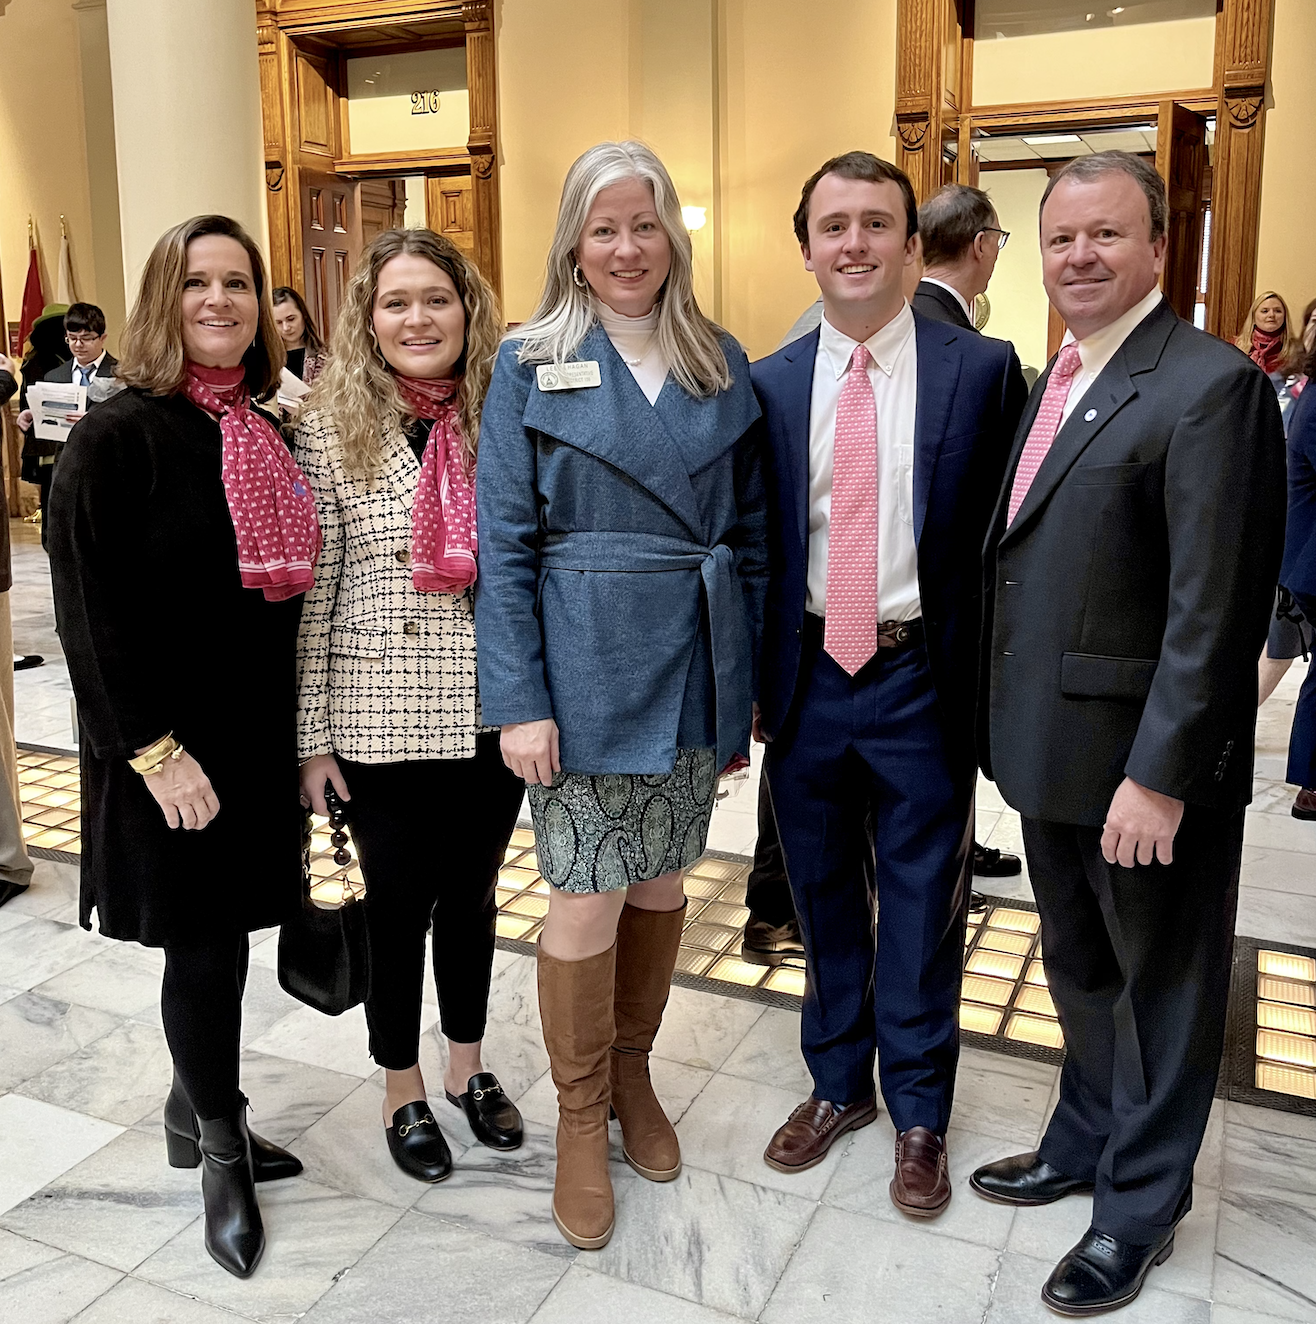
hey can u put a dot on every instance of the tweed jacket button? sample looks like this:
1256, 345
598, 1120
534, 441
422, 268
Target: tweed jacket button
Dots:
402, 556
411, 627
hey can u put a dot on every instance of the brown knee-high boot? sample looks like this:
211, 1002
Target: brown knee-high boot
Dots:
647, 945
575, 1004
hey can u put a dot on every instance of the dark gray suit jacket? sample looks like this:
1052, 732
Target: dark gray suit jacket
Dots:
1128, 602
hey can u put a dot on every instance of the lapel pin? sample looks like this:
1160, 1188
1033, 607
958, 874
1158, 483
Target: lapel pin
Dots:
1089, 416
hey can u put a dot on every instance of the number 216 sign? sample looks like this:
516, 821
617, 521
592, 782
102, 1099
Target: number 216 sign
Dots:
424, 103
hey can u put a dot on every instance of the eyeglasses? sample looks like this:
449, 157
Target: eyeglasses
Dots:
1002, 241
81, 338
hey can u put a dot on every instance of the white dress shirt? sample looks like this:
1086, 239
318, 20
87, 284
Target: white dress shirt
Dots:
1100, 347
636, 340
893, 370
959, 298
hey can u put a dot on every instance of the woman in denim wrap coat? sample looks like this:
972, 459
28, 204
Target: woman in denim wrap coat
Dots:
618, 611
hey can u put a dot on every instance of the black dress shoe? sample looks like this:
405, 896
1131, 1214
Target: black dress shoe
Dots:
492, 1115
417, 1144
8, 891
235, 1235
988, 862
772, 944
1024, 1179
26, 661
1102, 1274
268, 1161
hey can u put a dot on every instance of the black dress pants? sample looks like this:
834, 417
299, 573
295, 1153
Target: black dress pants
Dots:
430, 834
1138, 964
768, 891
201, 1006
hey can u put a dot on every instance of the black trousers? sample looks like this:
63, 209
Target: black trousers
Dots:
201, 1006
430, 835
1138, 964
768, 891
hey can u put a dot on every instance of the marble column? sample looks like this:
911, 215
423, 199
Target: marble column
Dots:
187, 119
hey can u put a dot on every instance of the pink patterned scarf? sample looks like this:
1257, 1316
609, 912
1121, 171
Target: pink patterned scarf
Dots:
269, 499
443, 541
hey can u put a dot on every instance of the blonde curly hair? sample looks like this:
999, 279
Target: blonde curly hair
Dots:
357, 389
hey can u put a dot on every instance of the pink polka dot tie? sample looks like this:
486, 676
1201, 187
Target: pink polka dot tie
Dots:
850, 634
1045, 425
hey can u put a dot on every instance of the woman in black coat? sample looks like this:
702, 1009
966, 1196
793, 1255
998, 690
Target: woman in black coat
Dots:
182, 535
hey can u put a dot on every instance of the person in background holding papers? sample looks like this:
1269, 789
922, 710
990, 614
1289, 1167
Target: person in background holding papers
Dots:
84, 334
15, 866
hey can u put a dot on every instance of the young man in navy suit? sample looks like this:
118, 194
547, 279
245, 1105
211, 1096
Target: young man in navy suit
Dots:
886, 440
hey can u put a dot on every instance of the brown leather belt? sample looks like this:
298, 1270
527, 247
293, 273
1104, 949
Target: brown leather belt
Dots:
890, 634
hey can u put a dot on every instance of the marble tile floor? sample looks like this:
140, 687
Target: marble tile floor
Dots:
95, 1227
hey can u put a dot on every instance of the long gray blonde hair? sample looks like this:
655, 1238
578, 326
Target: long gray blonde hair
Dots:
357, 388
690, 342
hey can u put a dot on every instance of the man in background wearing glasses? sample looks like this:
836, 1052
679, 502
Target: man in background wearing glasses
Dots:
84, 333
962, 238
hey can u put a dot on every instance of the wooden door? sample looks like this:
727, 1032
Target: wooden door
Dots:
449, 209
331, 244
383, 205
1181, 159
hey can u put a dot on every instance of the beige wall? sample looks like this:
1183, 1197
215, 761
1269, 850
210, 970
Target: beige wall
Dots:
43, 149
1286, 255
1120, 61
792, 99
187, 118
740, 98
1019, 306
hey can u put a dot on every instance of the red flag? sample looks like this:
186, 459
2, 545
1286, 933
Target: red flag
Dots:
34, 299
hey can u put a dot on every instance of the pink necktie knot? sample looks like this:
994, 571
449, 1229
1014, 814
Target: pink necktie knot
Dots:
860, 359
1068, 362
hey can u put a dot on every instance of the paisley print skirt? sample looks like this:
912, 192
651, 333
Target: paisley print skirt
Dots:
598, 833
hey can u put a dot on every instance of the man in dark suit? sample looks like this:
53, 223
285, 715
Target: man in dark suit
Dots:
962, 239
885, 438
84, 333
1130, 573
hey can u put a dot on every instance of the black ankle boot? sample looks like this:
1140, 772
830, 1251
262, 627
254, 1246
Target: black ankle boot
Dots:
235, 1235
268, 1160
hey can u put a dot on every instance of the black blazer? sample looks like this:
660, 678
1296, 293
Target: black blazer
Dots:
1128, 602
940, 305
970, 394
64, 373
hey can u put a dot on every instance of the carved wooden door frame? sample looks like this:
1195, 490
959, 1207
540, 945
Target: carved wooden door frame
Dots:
934, 104
302, 43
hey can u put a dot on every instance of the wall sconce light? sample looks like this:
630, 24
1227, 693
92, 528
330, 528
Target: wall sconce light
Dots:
695, 218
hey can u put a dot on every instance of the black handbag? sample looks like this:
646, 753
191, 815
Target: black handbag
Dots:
324, 958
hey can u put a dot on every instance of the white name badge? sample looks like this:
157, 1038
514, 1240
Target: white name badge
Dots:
568, 376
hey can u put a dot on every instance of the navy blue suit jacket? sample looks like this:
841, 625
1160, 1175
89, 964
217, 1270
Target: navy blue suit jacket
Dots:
971, 393
1298, 574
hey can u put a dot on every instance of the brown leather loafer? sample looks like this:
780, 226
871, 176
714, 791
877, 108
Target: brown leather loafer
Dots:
811, 1130
1304, 806
921, 1186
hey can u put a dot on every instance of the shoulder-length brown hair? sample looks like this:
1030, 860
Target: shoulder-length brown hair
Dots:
151, 347
357, 387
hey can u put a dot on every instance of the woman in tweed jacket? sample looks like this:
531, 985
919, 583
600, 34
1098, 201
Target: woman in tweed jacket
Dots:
388, 708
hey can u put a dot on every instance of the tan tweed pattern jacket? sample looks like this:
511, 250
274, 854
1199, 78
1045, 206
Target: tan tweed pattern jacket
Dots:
385, 673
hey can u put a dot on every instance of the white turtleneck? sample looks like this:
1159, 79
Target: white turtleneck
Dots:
636, 340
